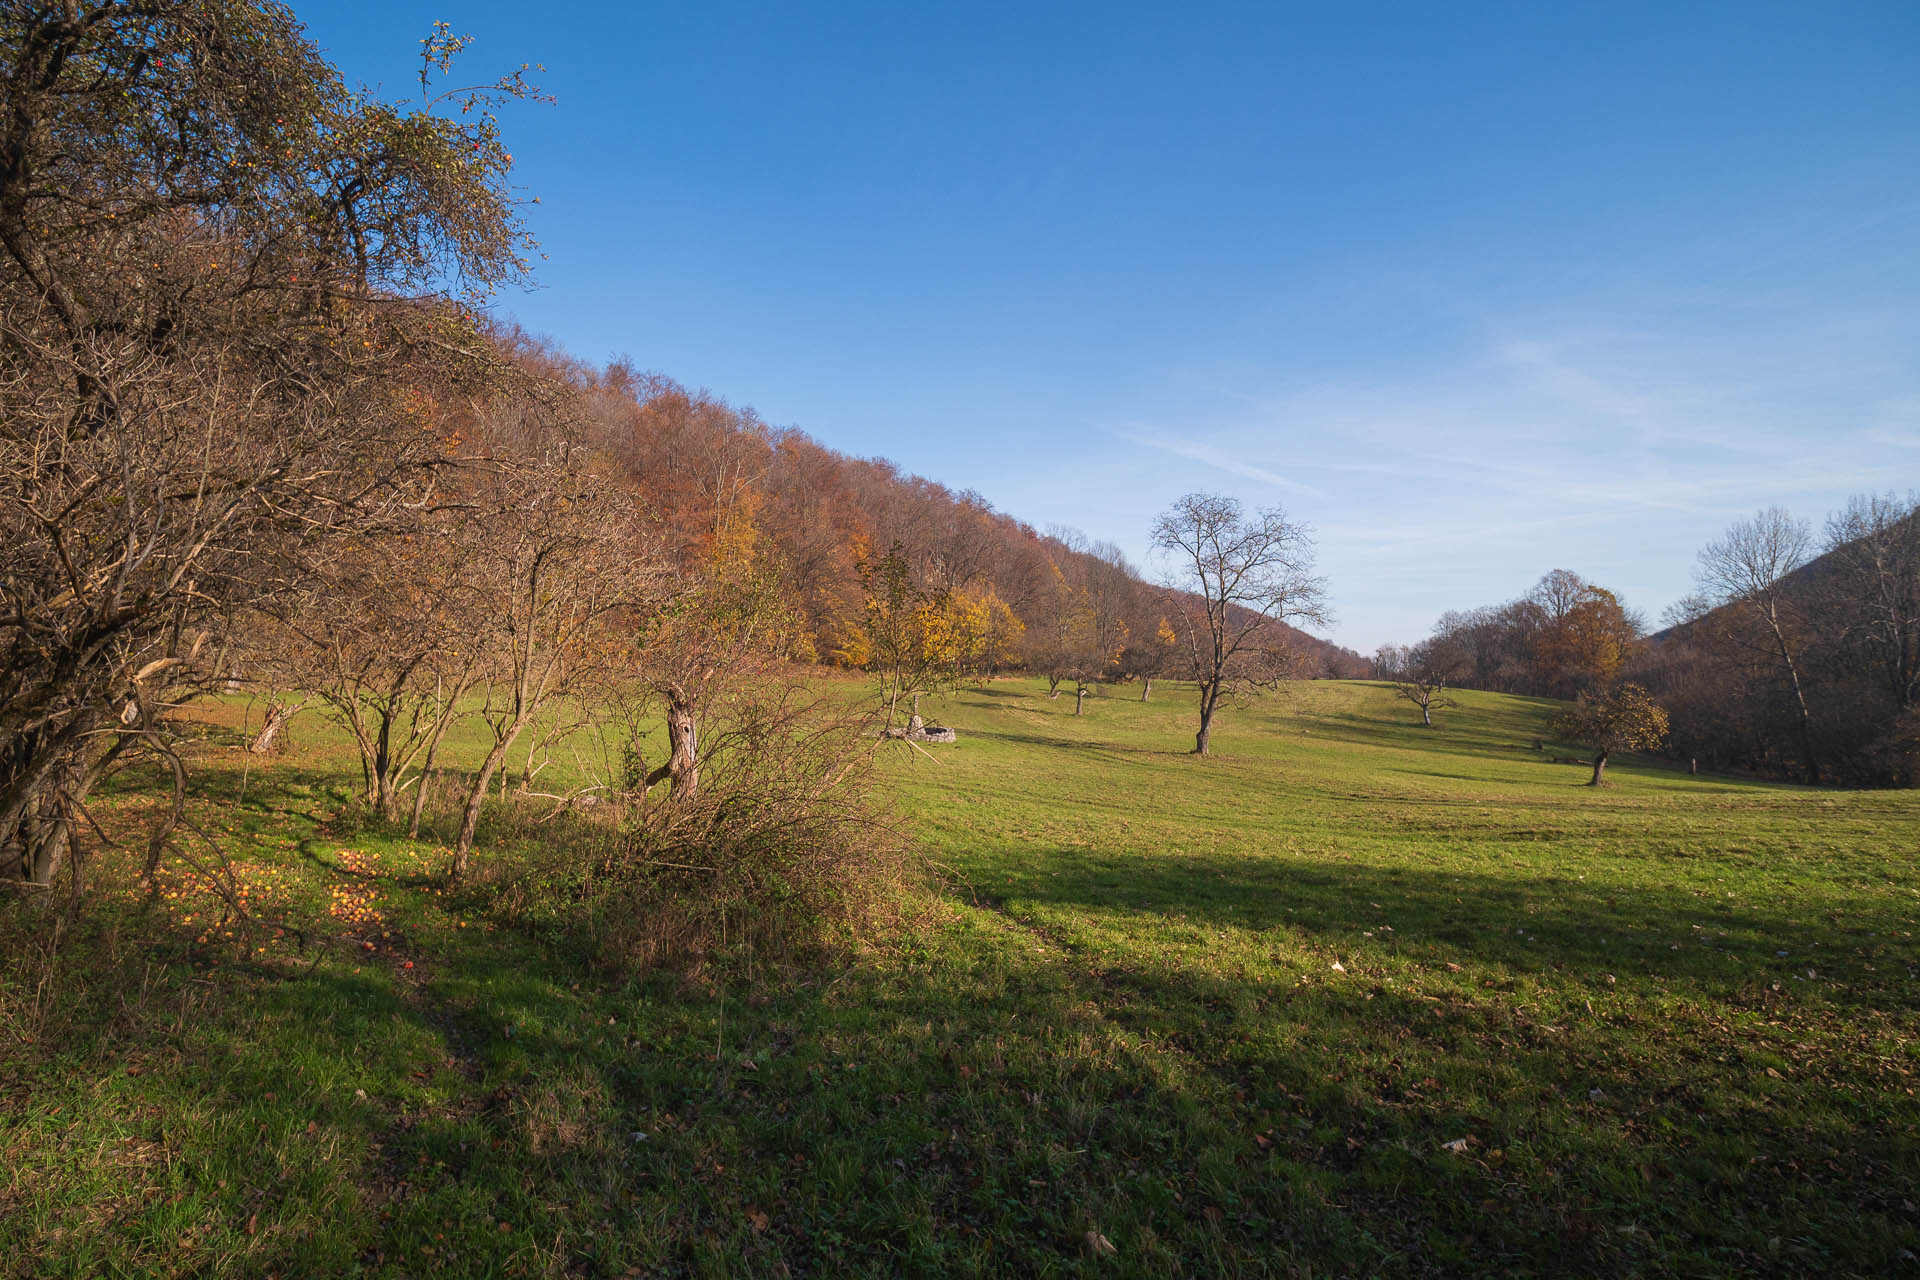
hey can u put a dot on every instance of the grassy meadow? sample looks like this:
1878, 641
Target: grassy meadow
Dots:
1351, 998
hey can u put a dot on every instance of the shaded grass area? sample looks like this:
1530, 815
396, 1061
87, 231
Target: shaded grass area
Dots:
1665, 1027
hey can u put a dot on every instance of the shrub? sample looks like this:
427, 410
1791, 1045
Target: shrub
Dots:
779, 855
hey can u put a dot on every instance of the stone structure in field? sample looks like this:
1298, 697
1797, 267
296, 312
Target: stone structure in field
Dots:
918, 730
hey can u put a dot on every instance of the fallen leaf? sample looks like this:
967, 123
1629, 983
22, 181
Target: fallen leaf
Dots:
1458, 1144
1338, 967
1099, 1245
758, 1219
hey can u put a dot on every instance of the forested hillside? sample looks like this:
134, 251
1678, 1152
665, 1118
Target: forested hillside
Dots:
1798, 664
719, 479
469, 811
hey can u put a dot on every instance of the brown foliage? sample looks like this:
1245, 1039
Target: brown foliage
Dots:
1622, 718
1790, 666
217, 349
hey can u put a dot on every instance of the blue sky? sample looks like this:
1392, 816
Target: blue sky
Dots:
1477, 290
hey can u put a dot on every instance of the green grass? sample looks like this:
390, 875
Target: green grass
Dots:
1662, 1027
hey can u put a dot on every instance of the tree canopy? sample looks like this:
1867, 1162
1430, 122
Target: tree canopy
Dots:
228, 331
1621, 718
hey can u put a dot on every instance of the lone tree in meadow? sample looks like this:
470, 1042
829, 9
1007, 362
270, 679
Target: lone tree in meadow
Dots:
1623, 718
1424, 673
1244, 576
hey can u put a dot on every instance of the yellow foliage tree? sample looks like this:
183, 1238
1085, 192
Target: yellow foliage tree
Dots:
986, 633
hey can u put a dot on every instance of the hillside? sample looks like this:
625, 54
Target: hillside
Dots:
1816, 674
713, 474
1351, 998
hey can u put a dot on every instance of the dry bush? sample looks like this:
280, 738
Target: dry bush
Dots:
782, 852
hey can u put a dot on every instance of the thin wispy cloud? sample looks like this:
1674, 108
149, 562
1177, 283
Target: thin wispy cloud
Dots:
1610, 452
1220, 459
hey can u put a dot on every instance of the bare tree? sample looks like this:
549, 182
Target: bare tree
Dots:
385, 626
1109, 590
565, 557
1873, 547
1056, 615
1390, 661
1423, 672
274, 663
1748, 569
720, 643
1153, 647
1245, 576
1080, 626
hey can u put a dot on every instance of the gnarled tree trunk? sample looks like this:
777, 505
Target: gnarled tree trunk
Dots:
40, 801
682, 769
278, 714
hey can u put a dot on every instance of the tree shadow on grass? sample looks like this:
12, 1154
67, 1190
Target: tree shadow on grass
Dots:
1396, 735
1665, 1110
1528, 924
978, 1106
980, 1103
1082, 746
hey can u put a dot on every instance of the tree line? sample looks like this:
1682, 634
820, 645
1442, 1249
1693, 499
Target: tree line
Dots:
1798, 655
982, 591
